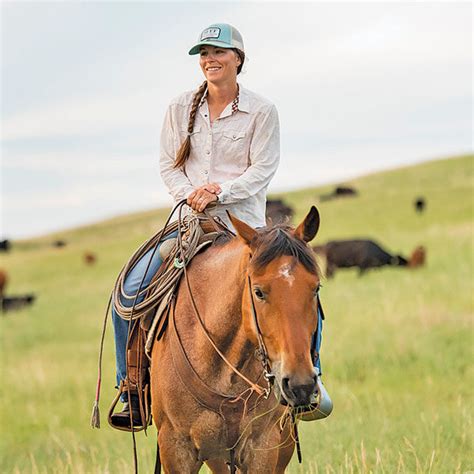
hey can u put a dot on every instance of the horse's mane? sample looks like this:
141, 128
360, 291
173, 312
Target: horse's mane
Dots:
274, 242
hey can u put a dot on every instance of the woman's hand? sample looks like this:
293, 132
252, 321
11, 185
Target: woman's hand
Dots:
213, 188
202, 196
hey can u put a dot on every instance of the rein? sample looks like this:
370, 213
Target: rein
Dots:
262, 349
255, 387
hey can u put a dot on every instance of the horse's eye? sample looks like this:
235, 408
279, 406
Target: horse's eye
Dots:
259, 293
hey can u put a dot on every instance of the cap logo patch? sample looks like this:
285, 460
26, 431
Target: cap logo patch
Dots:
210, 33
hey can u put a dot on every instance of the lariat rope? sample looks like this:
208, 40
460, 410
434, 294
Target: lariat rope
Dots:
95, 419
160, 285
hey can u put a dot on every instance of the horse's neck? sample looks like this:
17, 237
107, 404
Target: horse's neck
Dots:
217, 280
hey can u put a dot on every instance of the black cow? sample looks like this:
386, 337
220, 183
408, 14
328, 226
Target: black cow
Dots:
277, 212
339, 191
12, 303
363, 254
420, 204
4, 245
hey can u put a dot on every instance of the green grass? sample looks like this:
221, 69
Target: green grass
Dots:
397, 351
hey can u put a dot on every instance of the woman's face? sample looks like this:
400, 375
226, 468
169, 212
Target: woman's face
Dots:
219, 65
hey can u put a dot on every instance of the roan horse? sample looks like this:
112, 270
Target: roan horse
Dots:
256, 291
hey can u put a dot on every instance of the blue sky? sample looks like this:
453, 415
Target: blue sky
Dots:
360, 86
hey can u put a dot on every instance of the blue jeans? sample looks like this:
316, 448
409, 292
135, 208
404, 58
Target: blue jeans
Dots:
131, 286
318, 336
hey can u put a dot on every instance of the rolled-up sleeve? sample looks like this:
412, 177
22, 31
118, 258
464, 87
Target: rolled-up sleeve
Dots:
175, 179
264, 157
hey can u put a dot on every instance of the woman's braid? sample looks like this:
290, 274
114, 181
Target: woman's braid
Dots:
185, 148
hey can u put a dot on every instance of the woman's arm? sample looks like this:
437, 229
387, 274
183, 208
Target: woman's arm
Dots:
264, 159
175, 179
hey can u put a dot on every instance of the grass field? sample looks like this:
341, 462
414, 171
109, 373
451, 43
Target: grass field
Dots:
397, 350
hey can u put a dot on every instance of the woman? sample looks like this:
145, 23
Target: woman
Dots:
219, 144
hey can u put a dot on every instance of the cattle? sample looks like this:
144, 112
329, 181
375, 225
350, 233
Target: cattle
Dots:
13, 303
418, 257
339, 191
59, 243
5, 245
420, 204
3, 281
277, 212
363, 254
90, 258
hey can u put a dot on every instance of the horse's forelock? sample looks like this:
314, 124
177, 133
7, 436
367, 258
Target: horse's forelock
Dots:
279, 241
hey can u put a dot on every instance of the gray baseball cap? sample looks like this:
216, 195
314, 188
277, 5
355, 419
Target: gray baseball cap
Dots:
221, 35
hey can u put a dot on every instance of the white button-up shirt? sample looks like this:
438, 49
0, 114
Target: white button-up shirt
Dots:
239, 151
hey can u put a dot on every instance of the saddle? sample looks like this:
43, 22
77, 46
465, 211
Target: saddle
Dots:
149, 319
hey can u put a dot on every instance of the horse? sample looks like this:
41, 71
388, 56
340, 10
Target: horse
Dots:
236, 359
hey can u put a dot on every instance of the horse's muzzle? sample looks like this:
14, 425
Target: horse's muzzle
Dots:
297, 394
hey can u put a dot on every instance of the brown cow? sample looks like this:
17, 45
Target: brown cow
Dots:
90, 258
418, 257
3, 281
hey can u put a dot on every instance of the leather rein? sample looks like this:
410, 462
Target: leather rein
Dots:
261, 391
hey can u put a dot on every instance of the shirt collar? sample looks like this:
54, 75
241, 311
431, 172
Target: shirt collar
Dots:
244, 102
241, 102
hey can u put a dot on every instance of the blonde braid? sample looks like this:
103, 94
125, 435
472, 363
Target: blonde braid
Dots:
185, 148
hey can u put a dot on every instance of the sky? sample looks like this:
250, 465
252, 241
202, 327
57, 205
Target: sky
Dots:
359, 86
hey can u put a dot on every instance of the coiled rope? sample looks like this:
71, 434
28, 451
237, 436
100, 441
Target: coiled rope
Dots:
167, 275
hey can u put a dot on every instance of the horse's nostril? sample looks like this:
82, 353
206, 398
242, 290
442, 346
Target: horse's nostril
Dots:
285, 384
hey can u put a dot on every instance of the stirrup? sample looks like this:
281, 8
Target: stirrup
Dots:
144, 413
320, 407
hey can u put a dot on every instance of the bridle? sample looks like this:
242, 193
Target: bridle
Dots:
262, 352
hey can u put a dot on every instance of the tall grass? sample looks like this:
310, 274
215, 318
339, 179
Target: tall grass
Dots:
397, 350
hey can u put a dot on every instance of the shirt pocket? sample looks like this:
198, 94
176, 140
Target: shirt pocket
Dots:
233, 156
234, 138
194, 134
196, 139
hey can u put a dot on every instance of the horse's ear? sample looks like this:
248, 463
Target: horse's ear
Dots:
308, 229
244, 231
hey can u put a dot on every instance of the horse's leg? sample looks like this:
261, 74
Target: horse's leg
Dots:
284, 456
157, 460
268, 460
177, 453
217, 466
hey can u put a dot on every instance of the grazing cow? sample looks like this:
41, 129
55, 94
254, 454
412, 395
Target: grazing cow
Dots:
278, 212
363, 254
4, 245
418, 257
89, 258
13, 303
3, 281
339, 191
59, 243
420, 204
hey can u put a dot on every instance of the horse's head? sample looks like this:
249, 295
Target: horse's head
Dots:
280, 301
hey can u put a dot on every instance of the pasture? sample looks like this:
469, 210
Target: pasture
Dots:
397, 349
